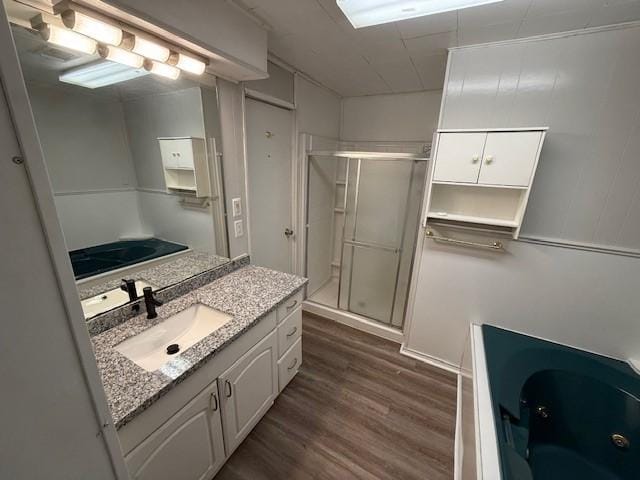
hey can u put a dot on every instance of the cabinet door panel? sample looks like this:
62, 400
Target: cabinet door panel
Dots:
248, 389
509, 158
189, 446
458, 157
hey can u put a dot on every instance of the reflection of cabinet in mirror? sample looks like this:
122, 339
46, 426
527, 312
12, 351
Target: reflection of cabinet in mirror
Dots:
185, 166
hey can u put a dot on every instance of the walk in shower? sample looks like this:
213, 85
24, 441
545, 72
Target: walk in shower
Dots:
363, 212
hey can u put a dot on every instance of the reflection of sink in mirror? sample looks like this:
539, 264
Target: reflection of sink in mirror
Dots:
113, 298
186, 328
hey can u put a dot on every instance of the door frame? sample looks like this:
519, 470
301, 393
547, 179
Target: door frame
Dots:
295, 170
29, 142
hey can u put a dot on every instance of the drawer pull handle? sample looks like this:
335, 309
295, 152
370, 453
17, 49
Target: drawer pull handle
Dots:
289, 307
227, 386
292, 332
293, 364
213, 402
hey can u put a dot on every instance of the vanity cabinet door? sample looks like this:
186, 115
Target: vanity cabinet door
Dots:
247, 390
189, 446
458, 157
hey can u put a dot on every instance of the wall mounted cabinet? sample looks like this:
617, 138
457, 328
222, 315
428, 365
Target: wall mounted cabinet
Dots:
185, 165
483, 177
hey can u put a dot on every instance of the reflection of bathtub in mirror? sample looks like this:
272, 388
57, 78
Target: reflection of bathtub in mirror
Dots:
116, 256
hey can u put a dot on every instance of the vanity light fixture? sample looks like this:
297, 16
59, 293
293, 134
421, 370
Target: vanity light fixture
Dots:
187, 63
162, 69
115, 54
148, 49
67, 38
365, 13
92, 27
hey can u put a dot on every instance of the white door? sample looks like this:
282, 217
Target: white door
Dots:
189, 446
459, 157
248, 389
269, 134
509, 158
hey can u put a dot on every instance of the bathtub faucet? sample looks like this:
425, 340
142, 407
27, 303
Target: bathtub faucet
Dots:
150, 302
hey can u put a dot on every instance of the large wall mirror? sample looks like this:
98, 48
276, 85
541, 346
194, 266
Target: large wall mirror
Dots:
134, 167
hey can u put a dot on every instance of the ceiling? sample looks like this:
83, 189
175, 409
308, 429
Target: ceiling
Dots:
315, 37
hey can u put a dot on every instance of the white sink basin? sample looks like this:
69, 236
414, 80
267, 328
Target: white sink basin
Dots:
149, 348
113, 298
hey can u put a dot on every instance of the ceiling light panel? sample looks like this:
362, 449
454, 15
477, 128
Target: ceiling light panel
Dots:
365, 13
101, 74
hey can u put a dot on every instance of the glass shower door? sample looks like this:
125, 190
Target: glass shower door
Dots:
376, 214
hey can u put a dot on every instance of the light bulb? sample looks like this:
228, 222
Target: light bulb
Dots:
162, 69
96, 29
68, 39
119, 55
149, 49
187, 63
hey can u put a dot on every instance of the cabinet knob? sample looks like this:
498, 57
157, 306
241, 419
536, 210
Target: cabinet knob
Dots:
475, 159
489, 159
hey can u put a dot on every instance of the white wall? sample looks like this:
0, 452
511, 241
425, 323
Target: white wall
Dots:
84, 140
173, 114
50, 427
409, 117
231, 98
581, 298
318, 109
95, 218
585, 88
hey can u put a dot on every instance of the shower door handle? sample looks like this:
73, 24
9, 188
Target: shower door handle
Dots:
288, 232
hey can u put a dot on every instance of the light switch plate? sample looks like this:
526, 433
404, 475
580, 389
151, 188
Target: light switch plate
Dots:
237, 227
237, 207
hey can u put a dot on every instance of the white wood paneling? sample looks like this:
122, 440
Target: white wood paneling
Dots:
587, 188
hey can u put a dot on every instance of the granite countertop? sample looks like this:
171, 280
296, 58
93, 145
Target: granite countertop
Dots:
247, 294
168, 273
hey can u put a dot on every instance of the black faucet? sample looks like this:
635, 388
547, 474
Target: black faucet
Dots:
150, 302
129, 285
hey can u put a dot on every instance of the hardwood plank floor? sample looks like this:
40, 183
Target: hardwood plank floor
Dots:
357, 409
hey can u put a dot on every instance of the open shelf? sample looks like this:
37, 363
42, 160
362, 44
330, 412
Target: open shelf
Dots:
477, 204
472, 219
484, 185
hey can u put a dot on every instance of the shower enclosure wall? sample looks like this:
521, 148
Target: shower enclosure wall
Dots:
363, 212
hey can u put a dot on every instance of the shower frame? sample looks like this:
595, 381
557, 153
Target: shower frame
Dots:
344, 240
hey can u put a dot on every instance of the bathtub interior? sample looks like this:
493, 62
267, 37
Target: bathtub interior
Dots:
557, 410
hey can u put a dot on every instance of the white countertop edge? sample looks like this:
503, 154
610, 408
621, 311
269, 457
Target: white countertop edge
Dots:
487, 455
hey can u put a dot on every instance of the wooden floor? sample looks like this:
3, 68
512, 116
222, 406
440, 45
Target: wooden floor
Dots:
356, 409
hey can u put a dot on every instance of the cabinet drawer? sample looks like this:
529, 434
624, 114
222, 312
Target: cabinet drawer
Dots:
289, 364
289, 305
289, 331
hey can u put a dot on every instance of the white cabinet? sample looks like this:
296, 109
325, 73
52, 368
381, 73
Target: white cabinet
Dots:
289, 364
189, 446
185, 165
459, 157
484, 177
509, 158
248, 389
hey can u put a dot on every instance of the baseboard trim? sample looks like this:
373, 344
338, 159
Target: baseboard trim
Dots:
457, 445
436, 362
354, 321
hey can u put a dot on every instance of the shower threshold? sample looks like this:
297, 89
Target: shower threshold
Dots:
352, 319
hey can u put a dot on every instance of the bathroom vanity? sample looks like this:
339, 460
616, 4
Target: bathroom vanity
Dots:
184, 416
